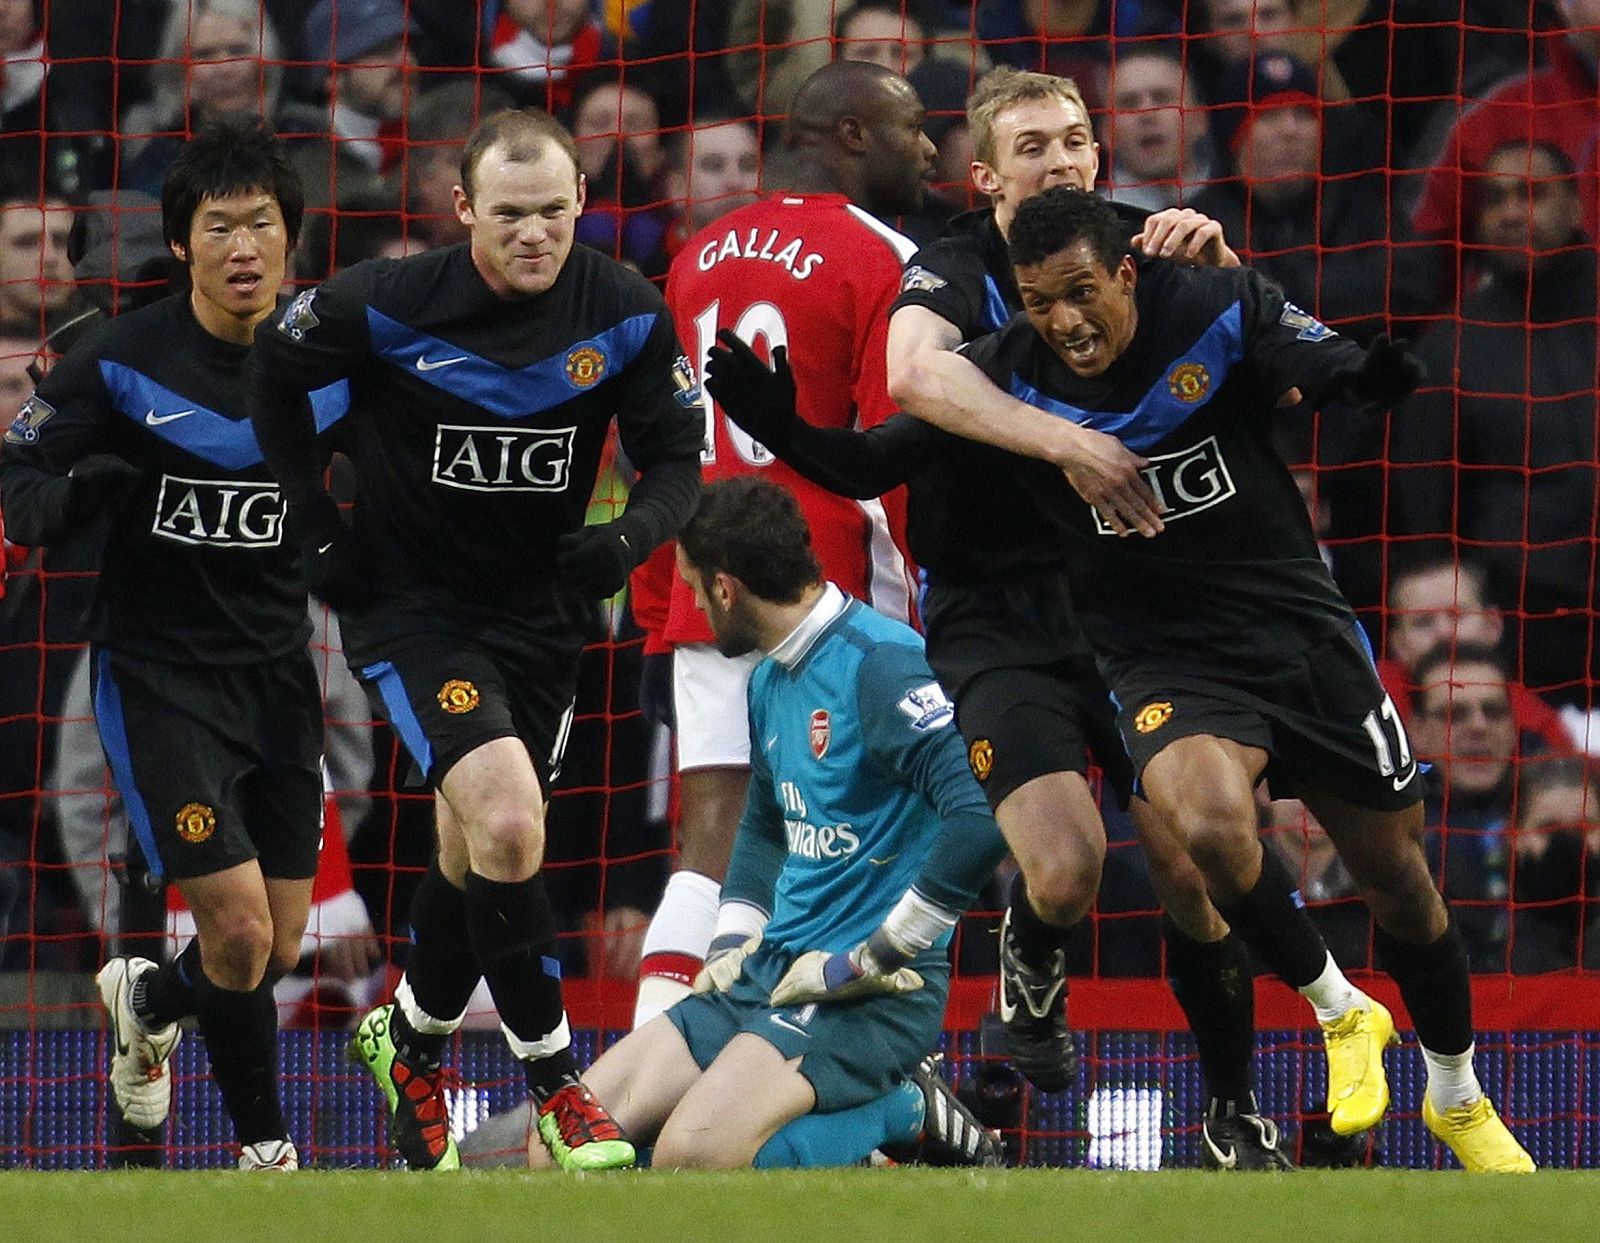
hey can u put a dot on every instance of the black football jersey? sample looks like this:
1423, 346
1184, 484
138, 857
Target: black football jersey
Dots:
477, 423
197, 566
1236, 574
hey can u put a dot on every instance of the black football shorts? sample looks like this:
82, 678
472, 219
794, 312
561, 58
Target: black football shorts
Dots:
1323, 718
447, 687
216, 764
1022, 723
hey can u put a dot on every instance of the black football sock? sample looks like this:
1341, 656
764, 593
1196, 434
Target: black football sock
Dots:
168, 994
241, 1034
1435, 985
1211, 981
514, 936
1032, 939
442, 969
1276, 927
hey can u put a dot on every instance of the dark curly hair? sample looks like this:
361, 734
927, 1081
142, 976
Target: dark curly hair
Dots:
1060, 217
753, 530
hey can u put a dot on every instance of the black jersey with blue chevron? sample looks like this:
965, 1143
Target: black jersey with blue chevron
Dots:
197, 567
1237, 570
478, 422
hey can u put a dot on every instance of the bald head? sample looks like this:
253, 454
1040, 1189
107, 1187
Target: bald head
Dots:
845, 89
856, 127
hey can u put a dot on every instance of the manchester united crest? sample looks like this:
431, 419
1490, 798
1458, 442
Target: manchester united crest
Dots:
457, 696
1189, 382
586, 365
196, 822
821, 732
1152, 717
980, 758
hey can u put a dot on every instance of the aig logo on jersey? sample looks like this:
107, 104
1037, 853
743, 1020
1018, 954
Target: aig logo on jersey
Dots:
503, 459
1185, 483
227, 514
928, 707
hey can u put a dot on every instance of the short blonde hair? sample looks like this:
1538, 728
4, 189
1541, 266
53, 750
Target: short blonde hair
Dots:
1005, 87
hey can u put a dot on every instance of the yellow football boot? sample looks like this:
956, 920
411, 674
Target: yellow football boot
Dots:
1481, 1142
1358, 1090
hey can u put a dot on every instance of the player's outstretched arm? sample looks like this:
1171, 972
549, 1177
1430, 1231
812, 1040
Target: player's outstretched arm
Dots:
929, 380
762, 401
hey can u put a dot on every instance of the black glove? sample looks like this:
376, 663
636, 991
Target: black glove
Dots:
334, 561
98, 483
758, 398
597, 559
1388, 375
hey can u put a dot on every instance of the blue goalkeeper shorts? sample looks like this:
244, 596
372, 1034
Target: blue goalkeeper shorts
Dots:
850, 1052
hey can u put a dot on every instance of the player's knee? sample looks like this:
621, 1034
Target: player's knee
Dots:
285, 957
1219, 827
696, 1148
1062, 884
237, 953
508, 844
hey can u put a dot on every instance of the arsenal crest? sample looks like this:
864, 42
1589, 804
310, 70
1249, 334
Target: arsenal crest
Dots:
821, 732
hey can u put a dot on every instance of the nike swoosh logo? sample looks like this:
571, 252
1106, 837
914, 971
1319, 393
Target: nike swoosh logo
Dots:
885, 859
784, 1023
323, 549
424, 363
772, 742
1226, 1158
1400, 783
156, 420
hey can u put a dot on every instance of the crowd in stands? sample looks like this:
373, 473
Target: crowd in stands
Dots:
1421, 167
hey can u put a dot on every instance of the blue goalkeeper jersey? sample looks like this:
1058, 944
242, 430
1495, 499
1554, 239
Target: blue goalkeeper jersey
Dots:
855, 767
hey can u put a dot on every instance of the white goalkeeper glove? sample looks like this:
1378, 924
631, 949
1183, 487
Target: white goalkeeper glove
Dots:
724, 963
872, 969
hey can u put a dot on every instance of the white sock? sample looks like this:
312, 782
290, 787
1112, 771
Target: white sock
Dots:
657, 994
1451, 1080
421, 1021
680, 932
1331, 995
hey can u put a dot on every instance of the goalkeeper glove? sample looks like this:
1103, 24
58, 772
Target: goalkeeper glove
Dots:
1387, 376
758, 398
873, 969
724, 963
596, 560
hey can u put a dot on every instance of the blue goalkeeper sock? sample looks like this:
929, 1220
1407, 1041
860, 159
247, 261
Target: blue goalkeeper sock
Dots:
846, 1136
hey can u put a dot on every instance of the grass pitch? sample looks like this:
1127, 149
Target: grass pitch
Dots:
835, 1206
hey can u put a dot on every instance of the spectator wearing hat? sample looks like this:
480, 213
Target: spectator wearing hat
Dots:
1161, 150
364, 48
1502, 442
1324, 240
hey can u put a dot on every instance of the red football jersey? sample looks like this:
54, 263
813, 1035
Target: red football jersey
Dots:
816, 274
